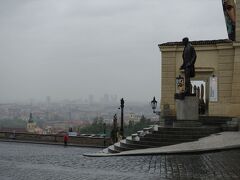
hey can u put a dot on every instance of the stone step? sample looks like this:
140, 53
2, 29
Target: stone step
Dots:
187, 129
164, 136
182, 123
147, 130
175, 136
150, 143
111, 149
140, 133
105, 150
168, 140
135, 137
130, 145
214, 120
180, 131
118, 147
156, 144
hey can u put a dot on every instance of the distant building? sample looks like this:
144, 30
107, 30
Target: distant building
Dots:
133, 117
48, 130
32, 126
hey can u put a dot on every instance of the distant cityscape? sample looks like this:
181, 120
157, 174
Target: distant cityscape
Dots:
54, 117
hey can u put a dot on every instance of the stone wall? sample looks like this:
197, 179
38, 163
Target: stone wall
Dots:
55, 139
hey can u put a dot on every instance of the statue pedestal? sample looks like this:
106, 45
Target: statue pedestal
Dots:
187, 112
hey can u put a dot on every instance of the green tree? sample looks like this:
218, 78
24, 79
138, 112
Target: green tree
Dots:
133, 127
13, 123
96, 127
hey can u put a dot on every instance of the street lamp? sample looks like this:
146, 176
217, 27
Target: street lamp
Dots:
104, 134
121, 128
154, 106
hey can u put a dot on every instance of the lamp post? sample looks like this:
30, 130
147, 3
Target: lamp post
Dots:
121, 128
104, 132
114, 133
154, 106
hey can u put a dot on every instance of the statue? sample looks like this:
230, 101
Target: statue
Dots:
189, 58
229, 10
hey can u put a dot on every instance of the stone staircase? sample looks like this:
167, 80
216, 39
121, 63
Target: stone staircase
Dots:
155, 136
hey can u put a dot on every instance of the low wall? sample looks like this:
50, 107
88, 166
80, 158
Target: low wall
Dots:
56, 139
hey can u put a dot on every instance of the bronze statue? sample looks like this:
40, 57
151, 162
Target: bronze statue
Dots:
229, 10
189, 58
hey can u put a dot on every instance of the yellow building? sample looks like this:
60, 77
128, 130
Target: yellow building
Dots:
217, 60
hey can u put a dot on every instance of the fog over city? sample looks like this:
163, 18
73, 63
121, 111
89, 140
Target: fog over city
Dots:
70, 49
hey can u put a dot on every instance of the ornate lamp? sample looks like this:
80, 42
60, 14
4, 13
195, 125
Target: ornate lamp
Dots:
154, 104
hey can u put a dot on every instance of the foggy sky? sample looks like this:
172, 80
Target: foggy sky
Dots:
69, 49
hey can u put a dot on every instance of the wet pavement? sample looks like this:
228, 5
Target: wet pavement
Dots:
22, 161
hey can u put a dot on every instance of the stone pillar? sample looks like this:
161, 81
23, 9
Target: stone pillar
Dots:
238, 20
168, 78
236, 82
236, 75
236, 67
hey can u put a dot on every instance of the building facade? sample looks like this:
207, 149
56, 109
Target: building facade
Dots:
217, 60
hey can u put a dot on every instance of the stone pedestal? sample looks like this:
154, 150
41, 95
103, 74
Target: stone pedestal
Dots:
187, 109
187, 112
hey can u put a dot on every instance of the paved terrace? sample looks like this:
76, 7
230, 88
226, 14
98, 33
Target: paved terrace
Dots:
21, 161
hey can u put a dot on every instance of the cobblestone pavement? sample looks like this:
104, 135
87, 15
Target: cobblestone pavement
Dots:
19, 161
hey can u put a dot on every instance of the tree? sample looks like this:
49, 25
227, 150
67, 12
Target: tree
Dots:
133, 127
96, 127
13, 123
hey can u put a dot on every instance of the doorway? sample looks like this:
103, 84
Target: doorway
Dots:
199, 88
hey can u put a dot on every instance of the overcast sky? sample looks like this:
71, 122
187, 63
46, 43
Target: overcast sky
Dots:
69, 49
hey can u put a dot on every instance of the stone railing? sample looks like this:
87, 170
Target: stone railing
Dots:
55, 139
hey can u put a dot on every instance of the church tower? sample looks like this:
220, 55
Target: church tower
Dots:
31, 125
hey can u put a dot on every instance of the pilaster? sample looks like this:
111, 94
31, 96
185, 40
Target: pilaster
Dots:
237, 31
236, 75
168, 78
